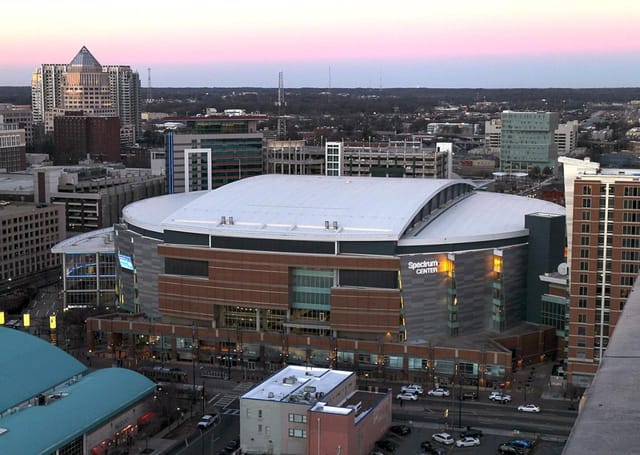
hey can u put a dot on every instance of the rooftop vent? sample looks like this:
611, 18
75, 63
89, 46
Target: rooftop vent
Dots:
290, 380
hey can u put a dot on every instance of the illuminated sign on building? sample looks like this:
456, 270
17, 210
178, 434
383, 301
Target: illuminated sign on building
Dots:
424, 267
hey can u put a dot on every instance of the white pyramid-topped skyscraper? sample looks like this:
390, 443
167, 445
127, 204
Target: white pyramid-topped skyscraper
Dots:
85, 84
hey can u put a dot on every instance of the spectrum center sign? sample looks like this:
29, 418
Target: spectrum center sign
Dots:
426, 267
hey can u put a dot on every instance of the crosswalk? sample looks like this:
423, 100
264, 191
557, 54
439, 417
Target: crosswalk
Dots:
224, 399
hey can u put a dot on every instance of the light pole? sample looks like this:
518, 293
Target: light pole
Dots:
193, 358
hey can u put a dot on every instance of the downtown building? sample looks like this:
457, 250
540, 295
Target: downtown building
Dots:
521, 129
85, 85
203, 153
402, 279
603, 239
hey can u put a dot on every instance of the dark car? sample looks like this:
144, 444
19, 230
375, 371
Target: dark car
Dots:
434, 450
509, 449
386, 445
468, 396
471, 433
232, 446
402, 430
425, 445
521, 443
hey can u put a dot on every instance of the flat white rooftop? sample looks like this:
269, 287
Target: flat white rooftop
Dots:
298, 384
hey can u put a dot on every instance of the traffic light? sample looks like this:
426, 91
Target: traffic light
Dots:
52, 322
26, 320
1, 317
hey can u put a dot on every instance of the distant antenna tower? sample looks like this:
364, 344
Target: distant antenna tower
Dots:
282, 126
329, 78
148, 85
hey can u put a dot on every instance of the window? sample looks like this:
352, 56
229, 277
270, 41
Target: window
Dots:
586, 203
584, 265
586, 216
297, 433
583, 278
586, 190
584, 240
297, 418
582, 330
582, 318
259, 413
582, 303
585, 228
582, 290
584, 253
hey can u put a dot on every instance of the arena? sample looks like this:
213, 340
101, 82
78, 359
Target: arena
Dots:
399, 278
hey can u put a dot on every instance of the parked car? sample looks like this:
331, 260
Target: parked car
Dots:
529, 408
386, 445
412, 388
468, 396
425, 445
468, 442
208, 420
438, 393
521, 443
407, 396
505, 448
443, 438
500, 397
232, 446
402, 430
435, 451
471, 433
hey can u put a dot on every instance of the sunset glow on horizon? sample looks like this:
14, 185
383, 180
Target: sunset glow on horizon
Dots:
301, 38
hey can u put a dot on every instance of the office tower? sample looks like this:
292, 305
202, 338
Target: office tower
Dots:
84, 84
12, 148
565, 137
527, 140
20, 116
208, 152
604, 258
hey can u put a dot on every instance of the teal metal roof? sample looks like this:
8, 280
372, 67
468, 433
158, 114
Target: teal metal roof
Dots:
84, 405
30, 366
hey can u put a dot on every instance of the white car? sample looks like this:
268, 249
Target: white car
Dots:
407, 396
468, 442
438, 393
413, 388
529, 408
443, 438
500, 397
208, 420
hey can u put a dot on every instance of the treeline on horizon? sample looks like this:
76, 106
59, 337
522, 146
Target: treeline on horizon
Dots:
363, 100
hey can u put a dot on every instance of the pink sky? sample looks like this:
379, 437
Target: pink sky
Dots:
304, 33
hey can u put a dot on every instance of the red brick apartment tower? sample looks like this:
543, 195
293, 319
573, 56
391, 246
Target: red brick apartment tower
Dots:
604, 262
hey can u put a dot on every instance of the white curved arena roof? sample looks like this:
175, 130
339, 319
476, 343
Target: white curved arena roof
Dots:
364, 208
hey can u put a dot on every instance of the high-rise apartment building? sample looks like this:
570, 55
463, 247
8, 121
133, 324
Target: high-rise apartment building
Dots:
603, 225
84, 84
566, 137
